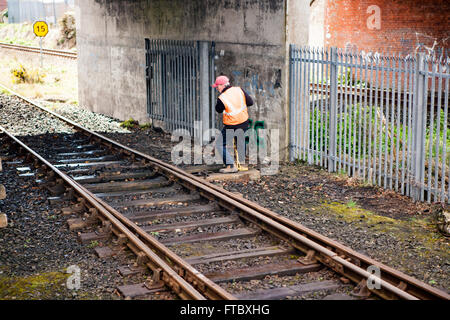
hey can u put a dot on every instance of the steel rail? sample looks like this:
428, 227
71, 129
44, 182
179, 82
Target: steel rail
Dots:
189, 291
184, 269
171, 277
310, 238
53, 52
330, 252
393, 277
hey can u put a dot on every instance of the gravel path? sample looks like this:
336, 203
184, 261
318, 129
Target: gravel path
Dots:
381, 224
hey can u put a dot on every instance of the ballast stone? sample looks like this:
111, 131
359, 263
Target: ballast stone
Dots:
3, 217
3, 220
2, 192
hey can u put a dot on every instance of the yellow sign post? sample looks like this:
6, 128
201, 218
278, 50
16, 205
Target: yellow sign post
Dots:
40, 29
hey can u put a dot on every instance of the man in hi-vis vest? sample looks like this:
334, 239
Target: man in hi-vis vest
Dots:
233, 103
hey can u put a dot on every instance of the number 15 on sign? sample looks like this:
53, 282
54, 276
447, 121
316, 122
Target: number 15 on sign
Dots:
40, 29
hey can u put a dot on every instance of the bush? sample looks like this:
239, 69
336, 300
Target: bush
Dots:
25, 75
68, 29
129, 124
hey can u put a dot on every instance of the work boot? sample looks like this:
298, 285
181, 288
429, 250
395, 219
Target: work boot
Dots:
229, 169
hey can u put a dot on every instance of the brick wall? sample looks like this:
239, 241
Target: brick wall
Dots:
381, 25
3, 4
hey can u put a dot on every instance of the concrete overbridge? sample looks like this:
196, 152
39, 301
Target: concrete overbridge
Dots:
154, 60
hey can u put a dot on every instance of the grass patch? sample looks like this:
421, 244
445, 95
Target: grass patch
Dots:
351, 204
93, 244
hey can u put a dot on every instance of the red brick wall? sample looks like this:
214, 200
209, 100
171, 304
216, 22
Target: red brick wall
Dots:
3, 4
405, 25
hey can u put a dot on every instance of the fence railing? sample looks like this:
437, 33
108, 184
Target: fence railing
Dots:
178, 75
382, 118
34, 10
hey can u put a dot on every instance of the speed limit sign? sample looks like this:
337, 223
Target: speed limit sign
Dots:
40, 28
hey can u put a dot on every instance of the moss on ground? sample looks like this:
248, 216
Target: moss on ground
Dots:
41, 286
422, 230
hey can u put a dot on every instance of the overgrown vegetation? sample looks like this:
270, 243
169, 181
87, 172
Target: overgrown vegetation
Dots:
68, 29
22, 74
129, 124
133, 124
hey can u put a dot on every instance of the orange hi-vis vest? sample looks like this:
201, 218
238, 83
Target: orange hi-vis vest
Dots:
235, 107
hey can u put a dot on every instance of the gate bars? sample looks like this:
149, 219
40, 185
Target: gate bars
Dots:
174, 77
382, 118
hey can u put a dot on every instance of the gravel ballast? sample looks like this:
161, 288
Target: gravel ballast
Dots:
381, 224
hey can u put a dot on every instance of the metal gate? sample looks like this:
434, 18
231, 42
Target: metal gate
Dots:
179, 74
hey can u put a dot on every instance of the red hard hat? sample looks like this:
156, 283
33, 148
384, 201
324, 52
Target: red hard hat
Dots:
221, 80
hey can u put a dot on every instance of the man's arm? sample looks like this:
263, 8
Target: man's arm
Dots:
220, 107
248, 99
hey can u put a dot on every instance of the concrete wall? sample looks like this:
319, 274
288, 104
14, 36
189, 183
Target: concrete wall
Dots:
380, 25
317, 23
251, 43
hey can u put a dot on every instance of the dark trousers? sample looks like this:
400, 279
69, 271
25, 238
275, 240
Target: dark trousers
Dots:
230, 133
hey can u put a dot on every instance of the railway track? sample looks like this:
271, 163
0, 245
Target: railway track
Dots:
51, 52
193, 236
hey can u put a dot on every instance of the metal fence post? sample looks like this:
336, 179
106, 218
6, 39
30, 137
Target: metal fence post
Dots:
418, 156
204, 90
291, 104
333, 110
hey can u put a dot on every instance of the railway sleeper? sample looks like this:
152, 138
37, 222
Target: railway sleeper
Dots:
127, 186
88, 237
114, 176
236, 233
159, 201
130, 291
291, 291
191, 224
85, 147
79, 207
91, 160
173, 188
85, 221
92, 165
251, 273
145, 216
241, 254
80, 153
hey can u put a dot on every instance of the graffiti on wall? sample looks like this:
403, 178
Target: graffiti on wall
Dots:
253, 85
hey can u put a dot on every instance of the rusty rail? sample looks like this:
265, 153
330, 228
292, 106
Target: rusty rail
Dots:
169, 276
351, 264
52, 52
